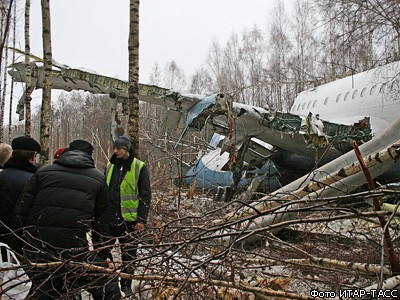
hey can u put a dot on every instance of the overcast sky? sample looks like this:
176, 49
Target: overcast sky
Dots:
94, 33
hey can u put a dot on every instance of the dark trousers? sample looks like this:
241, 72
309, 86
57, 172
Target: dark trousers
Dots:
61, 282
128, 240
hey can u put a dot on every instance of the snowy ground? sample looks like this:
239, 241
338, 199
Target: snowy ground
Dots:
262, 264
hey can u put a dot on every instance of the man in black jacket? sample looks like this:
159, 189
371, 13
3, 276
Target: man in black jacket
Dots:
17, 171
59, 206
130, 197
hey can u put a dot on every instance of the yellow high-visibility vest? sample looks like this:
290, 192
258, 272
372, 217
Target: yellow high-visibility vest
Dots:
129, 190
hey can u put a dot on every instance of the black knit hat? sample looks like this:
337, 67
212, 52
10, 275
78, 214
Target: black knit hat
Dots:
81, 145
25, 143
122, 142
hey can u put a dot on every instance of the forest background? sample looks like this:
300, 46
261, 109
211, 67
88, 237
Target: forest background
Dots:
317, 42
314, 43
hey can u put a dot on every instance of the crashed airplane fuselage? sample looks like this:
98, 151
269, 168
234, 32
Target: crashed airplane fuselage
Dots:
259, 142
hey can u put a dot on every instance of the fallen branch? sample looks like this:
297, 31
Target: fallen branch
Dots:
363, 267
177, 280
384, 156
394, 261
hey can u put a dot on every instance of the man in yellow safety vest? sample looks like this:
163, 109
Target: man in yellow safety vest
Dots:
130, 196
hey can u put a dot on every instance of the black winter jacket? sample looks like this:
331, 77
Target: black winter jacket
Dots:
61, 202
13, 179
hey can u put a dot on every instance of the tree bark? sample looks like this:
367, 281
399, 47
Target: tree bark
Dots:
133, 48
4, 39
12, 80
4, 33
28, 97
3, 97
47, 84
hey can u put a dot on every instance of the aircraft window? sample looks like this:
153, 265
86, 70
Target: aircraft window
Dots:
303, 106
373, 90
326, 101
315, 103
309, 104
364, 90
338, 97
354, 94
346, 97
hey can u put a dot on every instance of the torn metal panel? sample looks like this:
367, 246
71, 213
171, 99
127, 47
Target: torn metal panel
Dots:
325, 186
195, 115
284, 130
329, 180
257, 152
209, 173
175, 121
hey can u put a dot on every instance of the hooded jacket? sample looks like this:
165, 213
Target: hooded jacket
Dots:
62, 201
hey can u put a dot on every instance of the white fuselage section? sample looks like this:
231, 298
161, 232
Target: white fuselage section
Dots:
374, 93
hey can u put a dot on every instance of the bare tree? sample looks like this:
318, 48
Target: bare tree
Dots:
369, 28
254, 60
155, 75
304, 61
133, 47
3, 95
5, 18
5, 75
28, 87
47, 83
233, 67
280, 47
6, 15
215, 66
201, 82
174, 76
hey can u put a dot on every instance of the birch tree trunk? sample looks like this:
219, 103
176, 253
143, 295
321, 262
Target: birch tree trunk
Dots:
3, 96
133, 48
28, 86
12, 80
6, 14
47, 84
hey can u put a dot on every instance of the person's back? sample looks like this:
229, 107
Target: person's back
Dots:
66, 201
17, 171
59, 205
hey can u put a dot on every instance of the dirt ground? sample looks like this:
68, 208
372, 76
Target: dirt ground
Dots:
291, 261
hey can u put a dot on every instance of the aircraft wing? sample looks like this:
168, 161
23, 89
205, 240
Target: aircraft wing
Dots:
68, 79
307, 136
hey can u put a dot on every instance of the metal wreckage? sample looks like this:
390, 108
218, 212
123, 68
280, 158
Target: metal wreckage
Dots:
248, 148
297, 155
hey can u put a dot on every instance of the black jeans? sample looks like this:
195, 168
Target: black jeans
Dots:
128, 239
59, 281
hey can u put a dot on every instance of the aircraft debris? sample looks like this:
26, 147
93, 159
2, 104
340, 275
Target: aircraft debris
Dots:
300, 142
